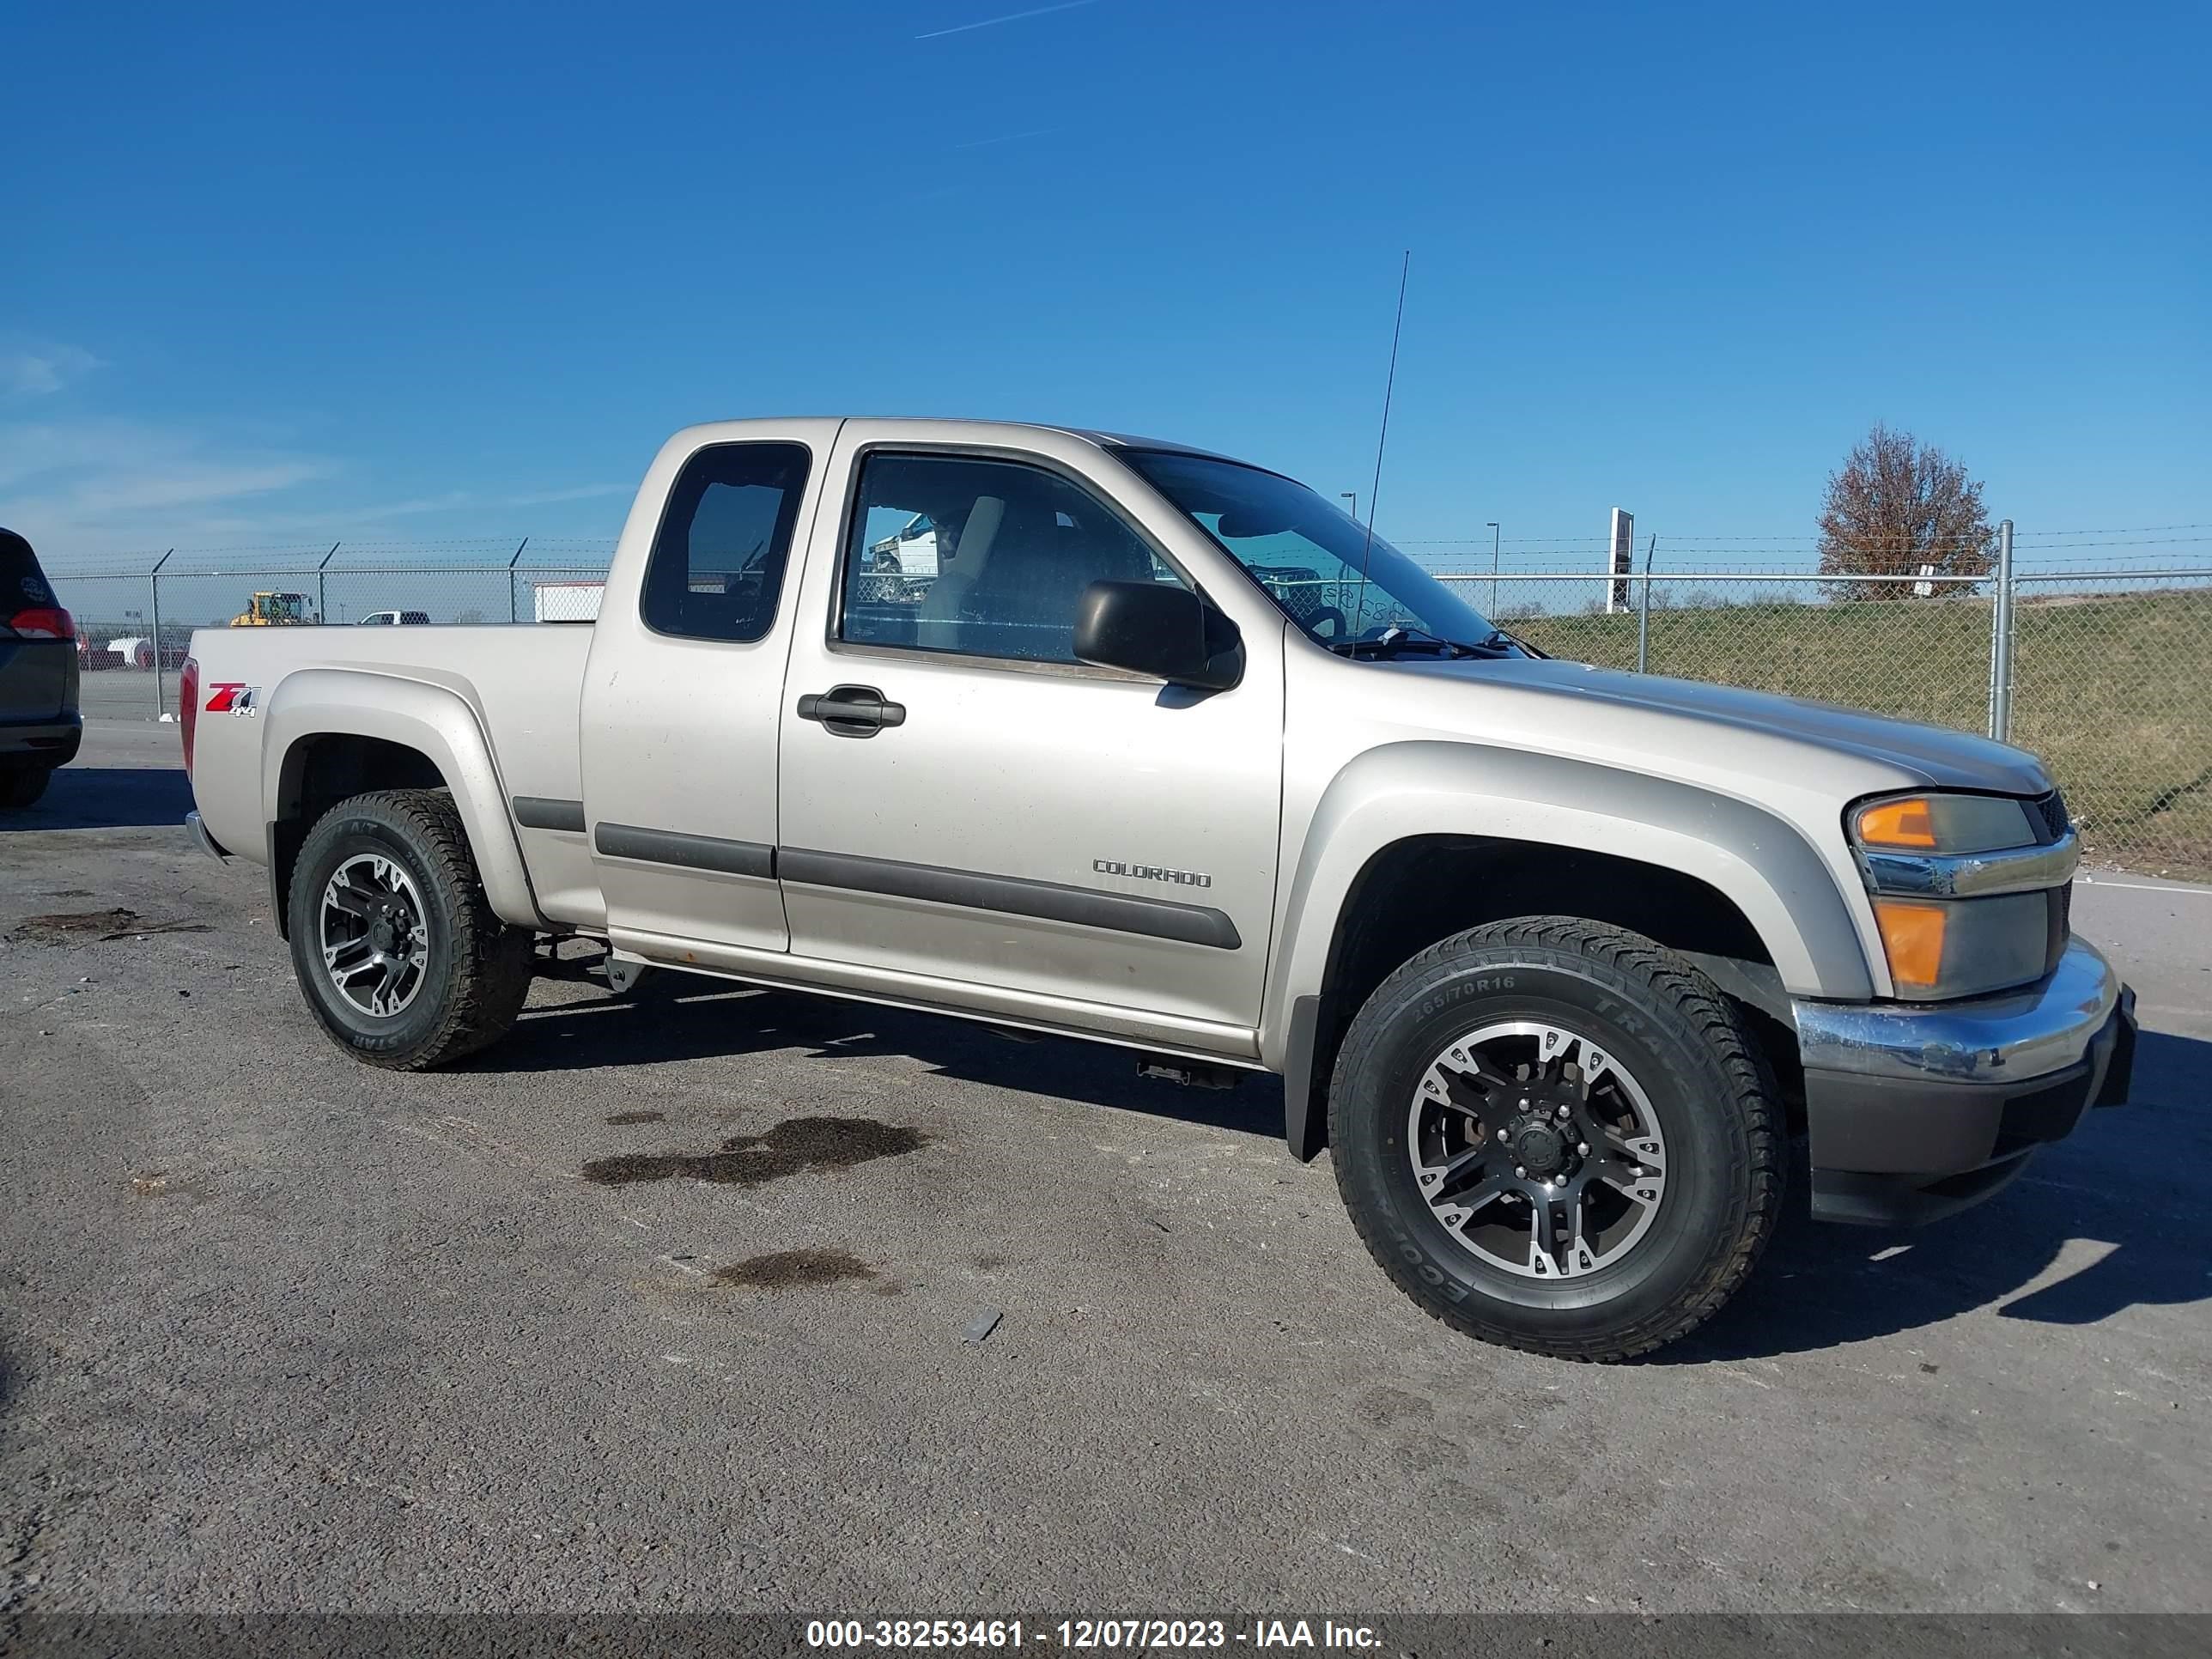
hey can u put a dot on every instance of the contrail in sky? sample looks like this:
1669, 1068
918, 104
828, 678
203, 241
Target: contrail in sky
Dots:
1011, 17
1005, 138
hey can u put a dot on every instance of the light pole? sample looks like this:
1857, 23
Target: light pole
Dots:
1491, 526
1351, 495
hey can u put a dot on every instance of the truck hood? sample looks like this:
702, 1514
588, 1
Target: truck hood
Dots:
1933, 755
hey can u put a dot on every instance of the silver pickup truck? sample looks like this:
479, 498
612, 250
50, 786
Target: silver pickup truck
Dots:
1168, 752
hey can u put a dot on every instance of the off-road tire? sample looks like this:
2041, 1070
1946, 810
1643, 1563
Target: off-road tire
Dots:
1708, 1083
22, 786
478, 969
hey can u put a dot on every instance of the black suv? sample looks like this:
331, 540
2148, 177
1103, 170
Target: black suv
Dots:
40, 727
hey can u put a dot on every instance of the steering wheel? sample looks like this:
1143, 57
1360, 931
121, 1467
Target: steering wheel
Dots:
1329, 613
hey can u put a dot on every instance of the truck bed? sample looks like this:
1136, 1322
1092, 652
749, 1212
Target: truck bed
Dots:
520, 684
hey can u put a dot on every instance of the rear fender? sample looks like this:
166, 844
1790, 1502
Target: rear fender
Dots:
435, 720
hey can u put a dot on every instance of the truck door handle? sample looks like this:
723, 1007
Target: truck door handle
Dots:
852, 711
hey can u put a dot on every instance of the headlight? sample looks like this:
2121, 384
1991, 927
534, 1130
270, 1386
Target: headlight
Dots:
1967, 896
1966, 946
1943, 823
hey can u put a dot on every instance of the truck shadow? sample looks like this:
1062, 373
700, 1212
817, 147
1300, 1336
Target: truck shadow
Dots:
2114, 1218
2116, 1210
674, 1017
107, 798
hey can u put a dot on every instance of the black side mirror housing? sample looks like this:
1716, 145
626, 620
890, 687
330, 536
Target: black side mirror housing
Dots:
1161, 629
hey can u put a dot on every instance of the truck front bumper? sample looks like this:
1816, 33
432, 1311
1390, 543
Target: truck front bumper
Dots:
1914, 1111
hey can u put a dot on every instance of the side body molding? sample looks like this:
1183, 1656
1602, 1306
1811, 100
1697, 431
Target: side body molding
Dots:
1761, 863
435, 720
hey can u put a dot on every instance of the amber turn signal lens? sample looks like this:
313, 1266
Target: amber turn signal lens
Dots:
1908, 823
1912, 936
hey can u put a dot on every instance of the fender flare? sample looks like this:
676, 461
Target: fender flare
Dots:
436, 721
1762, 864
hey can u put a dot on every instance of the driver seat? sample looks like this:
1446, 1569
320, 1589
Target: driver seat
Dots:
940, 622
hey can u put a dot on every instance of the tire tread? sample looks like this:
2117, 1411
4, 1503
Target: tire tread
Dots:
1711, 1018
492, 961
24, 786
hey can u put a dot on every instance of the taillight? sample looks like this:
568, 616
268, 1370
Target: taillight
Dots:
188, 706
41, 622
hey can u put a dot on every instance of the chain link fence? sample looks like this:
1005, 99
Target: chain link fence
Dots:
128, 624
2112, 684
2110, 674
2107, 672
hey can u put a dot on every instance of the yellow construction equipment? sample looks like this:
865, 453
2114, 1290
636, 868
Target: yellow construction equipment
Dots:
275, 610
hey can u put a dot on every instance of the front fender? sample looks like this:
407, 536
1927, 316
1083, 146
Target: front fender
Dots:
433, 720
1759, 861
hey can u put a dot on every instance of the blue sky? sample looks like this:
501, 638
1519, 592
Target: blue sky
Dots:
413, 274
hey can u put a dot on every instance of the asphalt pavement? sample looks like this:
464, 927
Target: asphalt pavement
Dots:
672, 1303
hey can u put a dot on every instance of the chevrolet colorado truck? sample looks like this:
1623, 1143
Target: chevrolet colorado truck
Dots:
1170, 753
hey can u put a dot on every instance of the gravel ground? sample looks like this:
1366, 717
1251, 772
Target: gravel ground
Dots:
668, 1304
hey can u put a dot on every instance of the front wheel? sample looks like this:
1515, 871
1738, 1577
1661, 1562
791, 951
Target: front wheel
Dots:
397, 950
1558, 1136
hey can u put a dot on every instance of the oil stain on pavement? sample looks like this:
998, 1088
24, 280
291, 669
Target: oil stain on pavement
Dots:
798, 1146
787, 1269
102, 925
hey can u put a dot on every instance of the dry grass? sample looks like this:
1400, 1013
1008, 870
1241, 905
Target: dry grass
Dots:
2114, 693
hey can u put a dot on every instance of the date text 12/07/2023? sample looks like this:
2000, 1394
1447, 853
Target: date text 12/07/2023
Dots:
1083, 1634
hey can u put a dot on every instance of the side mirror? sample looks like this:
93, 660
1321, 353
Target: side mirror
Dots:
1161, 629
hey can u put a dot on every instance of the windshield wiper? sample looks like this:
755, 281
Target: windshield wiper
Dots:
1398, 638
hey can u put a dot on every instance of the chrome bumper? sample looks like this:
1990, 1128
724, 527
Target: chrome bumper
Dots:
208, 844
1914, 1112
2010, 1037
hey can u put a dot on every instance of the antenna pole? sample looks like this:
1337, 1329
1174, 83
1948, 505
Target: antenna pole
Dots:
1367, 548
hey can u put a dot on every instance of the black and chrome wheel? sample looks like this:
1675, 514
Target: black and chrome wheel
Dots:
1559, 1136
1536, 1150
397, 948
374, 935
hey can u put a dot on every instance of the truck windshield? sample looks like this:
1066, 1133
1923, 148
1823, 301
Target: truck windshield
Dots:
1308, 555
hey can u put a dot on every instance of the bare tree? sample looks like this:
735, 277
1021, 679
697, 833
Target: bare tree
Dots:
1900, 507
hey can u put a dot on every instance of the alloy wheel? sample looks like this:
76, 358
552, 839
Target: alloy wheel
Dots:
1537, 1151
375, 936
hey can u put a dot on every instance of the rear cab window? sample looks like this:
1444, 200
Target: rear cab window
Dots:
717, 567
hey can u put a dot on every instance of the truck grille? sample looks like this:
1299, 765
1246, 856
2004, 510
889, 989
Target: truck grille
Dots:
2047, 814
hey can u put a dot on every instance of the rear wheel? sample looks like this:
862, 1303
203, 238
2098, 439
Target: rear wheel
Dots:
1559, 1136
23, 785
397, 951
